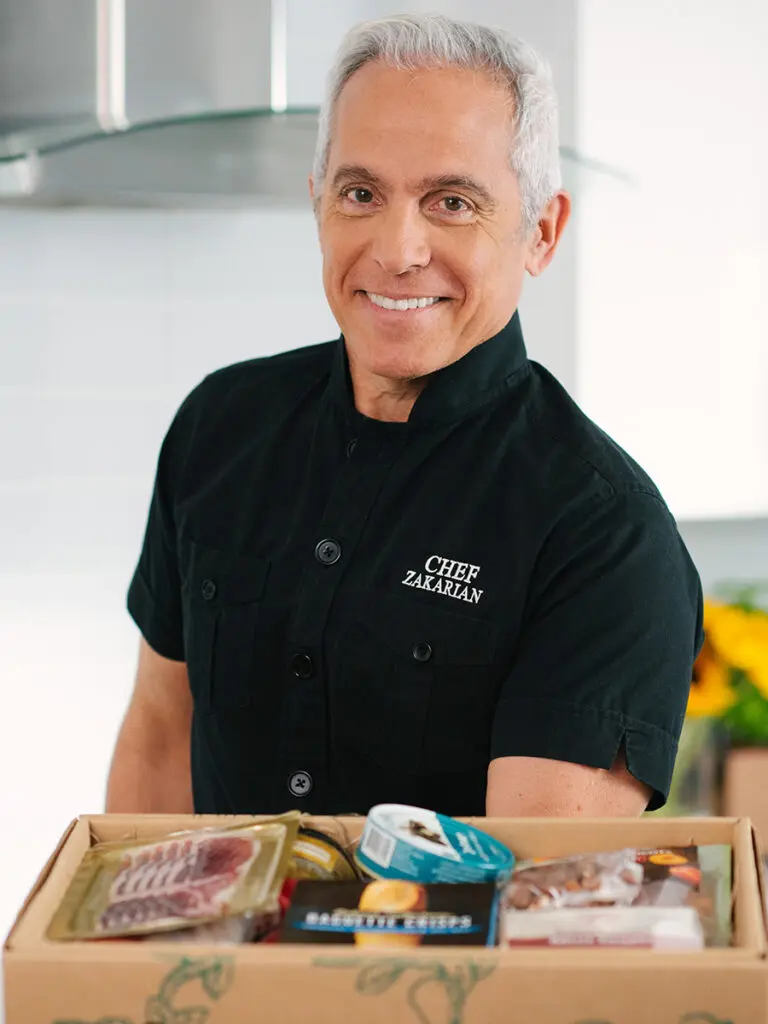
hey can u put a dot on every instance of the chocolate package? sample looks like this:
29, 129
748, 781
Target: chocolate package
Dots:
675, 898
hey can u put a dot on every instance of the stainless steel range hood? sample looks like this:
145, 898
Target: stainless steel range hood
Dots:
149, 102
159, 103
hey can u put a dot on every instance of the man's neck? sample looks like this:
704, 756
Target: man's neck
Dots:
379, 398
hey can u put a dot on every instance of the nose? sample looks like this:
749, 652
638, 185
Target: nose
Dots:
401, 242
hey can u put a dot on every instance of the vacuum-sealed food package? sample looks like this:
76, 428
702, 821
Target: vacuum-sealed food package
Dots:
239, 928
672, 898
662, 928
691, 876
584, 880
190, 878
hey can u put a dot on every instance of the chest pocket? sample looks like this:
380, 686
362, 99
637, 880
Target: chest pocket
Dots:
415, 688
221, 593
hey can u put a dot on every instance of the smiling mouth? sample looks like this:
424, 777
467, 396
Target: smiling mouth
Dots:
402, 305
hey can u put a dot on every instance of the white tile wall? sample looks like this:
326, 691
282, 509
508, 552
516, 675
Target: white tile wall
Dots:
107, 319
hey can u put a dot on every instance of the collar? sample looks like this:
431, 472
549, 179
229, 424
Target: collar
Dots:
456, 391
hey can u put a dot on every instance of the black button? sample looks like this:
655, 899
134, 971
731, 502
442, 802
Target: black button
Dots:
351, 447
422, 651
303, 666
328, 551
300, 784
208, 590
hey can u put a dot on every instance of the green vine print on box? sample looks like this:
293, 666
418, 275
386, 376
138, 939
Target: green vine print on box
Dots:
215, 974
687, 1018
374, 978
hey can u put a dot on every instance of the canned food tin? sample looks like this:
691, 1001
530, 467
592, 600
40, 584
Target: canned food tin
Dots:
417, 844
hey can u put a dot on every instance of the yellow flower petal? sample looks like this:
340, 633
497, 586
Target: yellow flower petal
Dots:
740, 638
710, 694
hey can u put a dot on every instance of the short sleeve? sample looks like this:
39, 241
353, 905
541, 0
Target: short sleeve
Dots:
612, 628
154, 594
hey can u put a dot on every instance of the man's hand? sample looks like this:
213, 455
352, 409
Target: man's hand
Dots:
520, 787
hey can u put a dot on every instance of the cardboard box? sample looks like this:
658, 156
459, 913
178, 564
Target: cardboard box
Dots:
744, 790
118, 982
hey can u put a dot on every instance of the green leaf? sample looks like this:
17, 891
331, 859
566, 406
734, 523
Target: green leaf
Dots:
217, 978
378, 977
479, 972
748, 596
747, 720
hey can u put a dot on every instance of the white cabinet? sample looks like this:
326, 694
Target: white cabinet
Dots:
672, 340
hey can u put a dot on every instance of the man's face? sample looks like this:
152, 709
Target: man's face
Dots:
419, 202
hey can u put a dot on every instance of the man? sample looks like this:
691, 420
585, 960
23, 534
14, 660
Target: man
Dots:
403, 566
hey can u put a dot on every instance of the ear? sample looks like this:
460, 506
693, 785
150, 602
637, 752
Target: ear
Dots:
548, 232
311, 182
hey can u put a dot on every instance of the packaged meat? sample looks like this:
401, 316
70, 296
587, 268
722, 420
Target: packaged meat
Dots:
248, 927
190, 878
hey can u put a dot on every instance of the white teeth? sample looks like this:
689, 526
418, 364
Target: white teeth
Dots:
401, 304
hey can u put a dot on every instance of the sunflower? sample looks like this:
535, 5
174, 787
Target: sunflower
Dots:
740, 638
710, 694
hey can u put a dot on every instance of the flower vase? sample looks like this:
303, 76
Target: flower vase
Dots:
695, 788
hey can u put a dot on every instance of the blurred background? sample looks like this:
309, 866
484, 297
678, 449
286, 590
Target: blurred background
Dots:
155, 225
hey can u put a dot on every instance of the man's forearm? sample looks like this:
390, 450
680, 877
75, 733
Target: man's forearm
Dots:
149, 775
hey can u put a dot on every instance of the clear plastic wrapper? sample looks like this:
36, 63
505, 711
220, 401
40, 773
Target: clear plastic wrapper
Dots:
584, 880
248, 927
186, 879
671, 898
662, 928
691, 876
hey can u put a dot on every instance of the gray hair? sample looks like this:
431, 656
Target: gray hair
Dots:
413, 41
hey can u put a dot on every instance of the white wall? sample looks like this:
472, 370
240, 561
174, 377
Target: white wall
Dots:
107, 319
673, 266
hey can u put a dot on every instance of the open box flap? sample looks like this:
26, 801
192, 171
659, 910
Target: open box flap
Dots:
40, 881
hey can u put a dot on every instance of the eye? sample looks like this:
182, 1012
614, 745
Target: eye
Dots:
455, 204
358, 195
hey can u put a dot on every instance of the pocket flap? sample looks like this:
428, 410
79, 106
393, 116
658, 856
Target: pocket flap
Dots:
454, 639
235, 578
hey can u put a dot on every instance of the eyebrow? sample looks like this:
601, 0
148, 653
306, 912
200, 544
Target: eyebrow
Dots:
432, 183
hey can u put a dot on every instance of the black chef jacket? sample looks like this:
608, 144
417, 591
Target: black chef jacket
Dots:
372, 611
